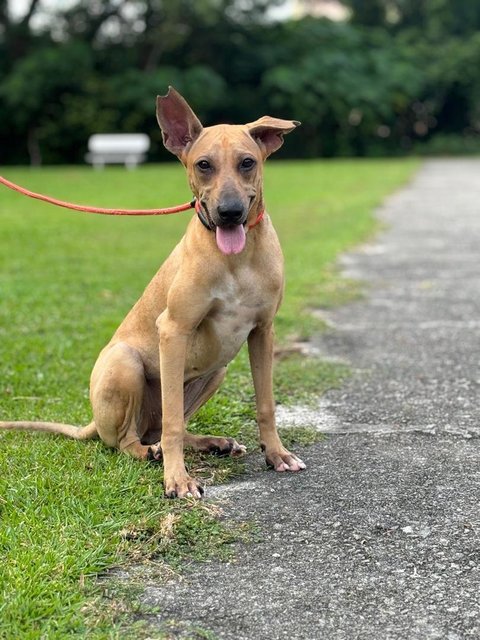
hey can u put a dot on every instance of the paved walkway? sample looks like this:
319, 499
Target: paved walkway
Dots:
380, 537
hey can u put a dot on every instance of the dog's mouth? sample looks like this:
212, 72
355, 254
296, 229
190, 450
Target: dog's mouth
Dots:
231, 239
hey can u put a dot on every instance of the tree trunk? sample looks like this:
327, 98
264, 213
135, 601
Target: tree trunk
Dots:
34, 149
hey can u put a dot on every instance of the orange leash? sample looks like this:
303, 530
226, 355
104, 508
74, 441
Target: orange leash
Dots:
108, 212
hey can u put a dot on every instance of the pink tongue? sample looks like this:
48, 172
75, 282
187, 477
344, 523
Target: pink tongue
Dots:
231, 239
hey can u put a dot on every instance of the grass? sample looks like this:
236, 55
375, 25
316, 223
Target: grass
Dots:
69, 510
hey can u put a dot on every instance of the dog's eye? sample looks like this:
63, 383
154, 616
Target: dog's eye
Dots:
247, 163
204, 165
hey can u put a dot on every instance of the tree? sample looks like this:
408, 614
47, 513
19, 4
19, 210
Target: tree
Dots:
400, 73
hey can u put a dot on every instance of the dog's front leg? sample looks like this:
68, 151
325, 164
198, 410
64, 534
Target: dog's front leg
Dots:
173, 346
260, 349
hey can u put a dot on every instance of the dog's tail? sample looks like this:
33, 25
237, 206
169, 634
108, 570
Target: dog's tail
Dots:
78, 433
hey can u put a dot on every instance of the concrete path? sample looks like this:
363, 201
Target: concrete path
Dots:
380, 537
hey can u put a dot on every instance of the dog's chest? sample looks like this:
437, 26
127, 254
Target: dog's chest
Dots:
238, 304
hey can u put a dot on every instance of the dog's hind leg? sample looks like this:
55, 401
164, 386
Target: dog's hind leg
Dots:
197, 393
117, 395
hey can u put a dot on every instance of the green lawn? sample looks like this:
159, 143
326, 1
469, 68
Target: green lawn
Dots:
69, 510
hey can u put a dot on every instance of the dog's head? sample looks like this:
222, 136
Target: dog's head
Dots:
224, 164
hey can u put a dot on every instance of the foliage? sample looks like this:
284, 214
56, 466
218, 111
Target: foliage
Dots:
396, 75
356, 84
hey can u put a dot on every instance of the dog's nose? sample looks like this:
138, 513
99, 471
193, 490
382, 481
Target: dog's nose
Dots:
230, 212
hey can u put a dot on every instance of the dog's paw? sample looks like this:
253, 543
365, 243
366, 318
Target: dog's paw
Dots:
183, 487
227, 447
154, 453
283, 460
216, 445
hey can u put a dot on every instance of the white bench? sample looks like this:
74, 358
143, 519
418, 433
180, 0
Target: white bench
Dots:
117, 148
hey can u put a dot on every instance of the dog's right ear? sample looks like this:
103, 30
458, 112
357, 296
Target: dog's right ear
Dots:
180, 126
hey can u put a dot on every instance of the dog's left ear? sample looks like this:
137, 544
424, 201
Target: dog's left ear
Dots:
268, 132
180, 126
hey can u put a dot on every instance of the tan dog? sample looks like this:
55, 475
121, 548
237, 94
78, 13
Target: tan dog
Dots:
221, 285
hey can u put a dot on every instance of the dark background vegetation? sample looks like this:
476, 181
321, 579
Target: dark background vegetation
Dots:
397, 76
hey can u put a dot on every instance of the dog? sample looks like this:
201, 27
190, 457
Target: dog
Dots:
221, 286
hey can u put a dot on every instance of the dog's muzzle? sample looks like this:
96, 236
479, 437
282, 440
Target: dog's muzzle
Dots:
231, 214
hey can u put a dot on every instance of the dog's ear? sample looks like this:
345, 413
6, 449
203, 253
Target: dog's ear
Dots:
179, 125
268, 132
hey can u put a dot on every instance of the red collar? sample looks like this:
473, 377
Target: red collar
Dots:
258, 219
